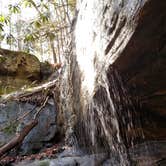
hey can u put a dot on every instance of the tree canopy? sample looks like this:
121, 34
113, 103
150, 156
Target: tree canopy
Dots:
44, 34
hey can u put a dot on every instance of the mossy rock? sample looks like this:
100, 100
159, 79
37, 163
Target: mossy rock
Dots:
19, 64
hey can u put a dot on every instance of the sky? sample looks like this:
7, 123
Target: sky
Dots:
27, 13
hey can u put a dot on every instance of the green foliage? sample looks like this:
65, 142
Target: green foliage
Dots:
7, 20
4, 21
10, 39
50, 25
2, 37
31, 37
1, 27
27, 3
14, 9
37, 24
44, 18
50, 35
2, 18
72, 4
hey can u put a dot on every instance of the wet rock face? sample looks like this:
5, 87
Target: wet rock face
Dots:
143, 67
101, 33
39, 136
130, 37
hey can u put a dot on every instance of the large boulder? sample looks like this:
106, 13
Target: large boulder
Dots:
22, 64
17, 69
21, 70
39, 136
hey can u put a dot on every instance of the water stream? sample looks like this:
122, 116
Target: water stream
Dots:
99, 114
109, 124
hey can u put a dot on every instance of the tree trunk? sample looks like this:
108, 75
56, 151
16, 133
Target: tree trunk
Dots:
53, 50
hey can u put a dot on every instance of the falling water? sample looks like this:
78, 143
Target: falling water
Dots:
109, 125
94, 94
106, 119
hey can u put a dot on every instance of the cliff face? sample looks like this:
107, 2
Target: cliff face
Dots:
143, 67
114, 78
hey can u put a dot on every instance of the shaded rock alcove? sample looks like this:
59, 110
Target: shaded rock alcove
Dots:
143, 68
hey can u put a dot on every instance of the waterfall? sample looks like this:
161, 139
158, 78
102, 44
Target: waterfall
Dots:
96, 109
97, 112
108, 125
103, 122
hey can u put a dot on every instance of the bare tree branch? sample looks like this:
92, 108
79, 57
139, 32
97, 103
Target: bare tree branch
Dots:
19, 137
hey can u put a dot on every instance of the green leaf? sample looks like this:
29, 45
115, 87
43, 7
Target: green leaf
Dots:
51, 35
10, 39
37, 24
2, 37
27, 3
44, 18
1, 27
2, 18
14, 9
30, 38
7, 20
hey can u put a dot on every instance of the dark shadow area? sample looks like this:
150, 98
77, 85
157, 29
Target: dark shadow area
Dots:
143, 68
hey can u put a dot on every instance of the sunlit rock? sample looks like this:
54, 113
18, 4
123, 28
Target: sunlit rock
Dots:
20, 70
19, 63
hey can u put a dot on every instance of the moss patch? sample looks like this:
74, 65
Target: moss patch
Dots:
10, 128
44, 163
2, 59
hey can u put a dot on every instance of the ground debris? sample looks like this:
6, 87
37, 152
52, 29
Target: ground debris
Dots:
46, 153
